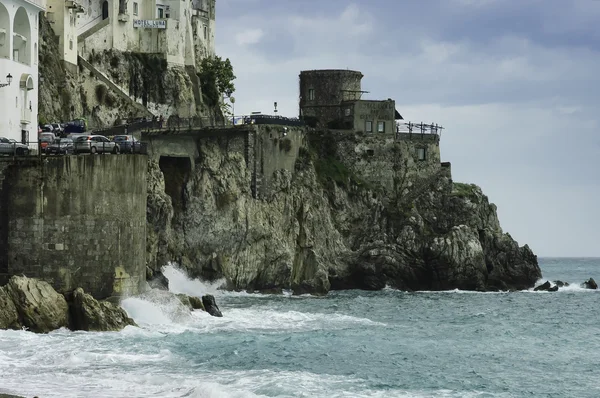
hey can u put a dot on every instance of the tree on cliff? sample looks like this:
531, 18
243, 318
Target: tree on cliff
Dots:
216, 78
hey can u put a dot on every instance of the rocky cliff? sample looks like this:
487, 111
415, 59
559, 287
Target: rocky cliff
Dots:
353, 212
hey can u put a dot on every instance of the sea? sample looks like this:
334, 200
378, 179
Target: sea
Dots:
347, 344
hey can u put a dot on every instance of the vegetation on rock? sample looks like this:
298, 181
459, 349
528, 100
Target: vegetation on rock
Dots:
216, 78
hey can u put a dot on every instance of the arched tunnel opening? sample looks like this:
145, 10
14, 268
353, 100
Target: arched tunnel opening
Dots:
176, 171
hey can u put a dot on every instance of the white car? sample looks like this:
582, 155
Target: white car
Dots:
12, 147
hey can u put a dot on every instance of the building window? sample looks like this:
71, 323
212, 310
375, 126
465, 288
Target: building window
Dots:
369, 126
160, 12
347, 112
421, 154
70, 44
311, 94
135, 8
381, 127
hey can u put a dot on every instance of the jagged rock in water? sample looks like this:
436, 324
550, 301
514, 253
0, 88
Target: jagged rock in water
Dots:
9, 317
196, 303
169, 304
156, 279
561, 283
89, 314
543, 287
590, 284
40, 308
210, 305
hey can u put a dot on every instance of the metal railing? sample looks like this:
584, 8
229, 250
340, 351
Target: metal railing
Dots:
40, 148
418, 128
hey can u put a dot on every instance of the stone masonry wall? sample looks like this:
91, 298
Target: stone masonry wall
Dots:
78, 221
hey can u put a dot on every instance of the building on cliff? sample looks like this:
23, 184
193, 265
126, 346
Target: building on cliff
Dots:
332, 98
19, 68
183, 32
63, 17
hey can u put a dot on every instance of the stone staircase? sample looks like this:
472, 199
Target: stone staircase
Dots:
91, 27
121, 92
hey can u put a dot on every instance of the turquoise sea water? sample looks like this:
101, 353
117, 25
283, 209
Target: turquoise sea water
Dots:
347, 344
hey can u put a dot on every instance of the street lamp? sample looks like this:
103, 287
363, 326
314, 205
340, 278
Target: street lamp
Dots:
232, 100
8, 79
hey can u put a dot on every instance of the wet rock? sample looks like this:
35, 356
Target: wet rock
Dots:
590, 284
561, 283
544, 287
196, 303
156, 279
553, 289
9, 317
40, 308
211, 306
89, 314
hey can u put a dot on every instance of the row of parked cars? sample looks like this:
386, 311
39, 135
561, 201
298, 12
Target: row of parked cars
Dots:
84, 143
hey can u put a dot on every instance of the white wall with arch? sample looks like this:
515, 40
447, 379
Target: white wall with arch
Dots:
19, 36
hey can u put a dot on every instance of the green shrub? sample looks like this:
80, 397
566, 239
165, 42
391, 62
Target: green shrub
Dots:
101, 93
285, 145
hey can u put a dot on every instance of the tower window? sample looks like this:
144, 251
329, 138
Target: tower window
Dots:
381, 127
421, 154
311, 94
369, 126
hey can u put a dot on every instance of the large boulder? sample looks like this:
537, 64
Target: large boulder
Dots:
41, 309
89, 314
590, 284
9, 317
210, 305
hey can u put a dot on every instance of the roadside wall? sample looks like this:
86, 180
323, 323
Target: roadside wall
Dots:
78, 221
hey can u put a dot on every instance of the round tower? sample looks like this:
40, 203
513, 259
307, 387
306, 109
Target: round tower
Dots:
323, 91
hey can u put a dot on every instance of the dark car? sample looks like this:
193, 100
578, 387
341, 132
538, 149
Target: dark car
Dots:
128, 143
60, 146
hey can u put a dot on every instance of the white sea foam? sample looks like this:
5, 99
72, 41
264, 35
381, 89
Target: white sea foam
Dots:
180, 282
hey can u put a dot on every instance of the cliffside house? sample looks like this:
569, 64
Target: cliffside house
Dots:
183, 32
332, 98
63, 16
19, 68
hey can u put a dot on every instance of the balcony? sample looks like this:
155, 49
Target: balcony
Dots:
75, 5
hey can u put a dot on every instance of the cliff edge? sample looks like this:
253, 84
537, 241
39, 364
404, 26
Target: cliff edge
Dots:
354, 211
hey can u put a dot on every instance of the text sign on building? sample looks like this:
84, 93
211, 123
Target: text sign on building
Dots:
150, 23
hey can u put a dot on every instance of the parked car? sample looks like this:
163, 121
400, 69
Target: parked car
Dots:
46, 139
95, 144
12, 147
58, 128
76, 126
60, 146
128, 143
47, 128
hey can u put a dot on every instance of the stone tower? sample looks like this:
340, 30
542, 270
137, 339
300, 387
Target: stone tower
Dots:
323, 91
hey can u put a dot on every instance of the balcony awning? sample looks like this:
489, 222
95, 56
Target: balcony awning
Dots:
397, 115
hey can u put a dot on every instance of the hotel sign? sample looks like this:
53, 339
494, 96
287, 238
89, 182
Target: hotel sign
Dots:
150, 23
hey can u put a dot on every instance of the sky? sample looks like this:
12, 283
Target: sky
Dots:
515, 83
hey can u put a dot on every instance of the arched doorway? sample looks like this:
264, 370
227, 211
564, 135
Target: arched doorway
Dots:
4, 36
105, 9
22, 37
25, 86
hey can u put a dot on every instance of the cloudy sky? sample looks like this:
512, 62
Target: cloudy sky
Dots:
514, 82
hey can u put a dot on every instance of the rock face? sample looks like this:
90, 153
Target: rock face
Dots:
40, 308
354, 212
590, 284
35, 305
91, 315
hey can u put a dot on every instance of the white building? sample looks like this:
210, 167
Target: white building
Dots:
183, 31
62, 15
19, 60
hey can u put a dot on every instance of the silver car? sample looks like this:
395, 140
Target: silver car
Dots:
94, 144
12, 147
